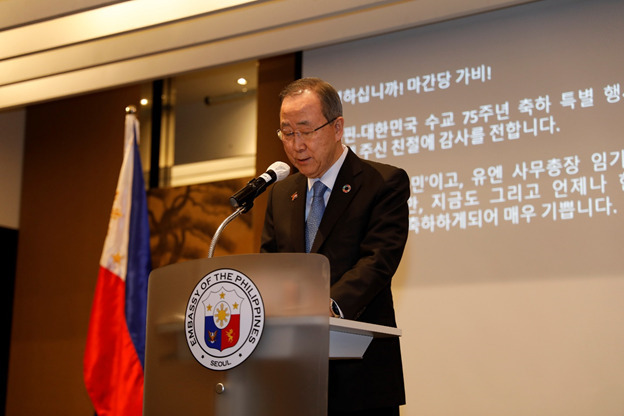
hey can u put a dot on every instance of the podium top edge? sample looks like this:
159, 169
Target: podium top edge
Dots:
232, 260
363, 328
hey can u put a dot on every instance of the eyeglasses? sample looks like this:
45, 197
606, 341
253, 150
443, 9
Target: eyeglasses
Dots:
288, 136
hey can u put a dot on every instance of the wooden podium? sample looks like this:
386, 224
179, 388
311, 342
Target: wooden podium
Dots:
275, 367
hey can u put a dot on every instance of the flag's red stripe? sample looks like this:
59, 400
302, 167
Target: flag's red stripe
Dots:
113, 372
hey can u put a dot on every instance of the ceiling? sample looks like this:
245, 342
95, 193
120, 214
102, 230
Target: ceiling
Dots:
57, 48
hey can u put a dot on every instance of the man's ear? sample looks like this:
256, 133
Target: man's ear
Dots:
339, 127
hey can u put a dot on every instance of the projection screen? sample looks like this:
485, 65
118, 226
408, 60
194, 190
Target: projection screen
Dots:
509, 125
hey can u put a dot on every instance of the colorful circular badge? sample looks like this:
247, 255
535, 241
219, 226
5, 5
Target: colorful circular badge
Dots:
224, 319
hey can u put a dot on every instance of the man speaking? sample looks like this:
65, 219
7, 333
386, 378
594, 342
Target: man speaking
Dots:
355, 213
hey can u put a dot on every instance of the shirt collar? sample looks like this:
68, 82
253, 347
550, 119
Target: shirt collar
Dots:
329, 178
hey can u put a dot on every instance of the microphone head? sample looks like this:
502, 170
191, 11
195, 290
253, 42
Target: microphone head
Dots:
281, 170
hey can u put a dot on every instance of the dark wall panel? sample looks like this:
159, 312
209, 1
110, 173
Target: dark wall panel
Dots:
72, 156
273, 75
8, 258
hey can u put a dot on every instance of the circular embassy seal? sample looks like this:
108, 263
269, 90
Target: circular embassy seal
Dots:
224, 319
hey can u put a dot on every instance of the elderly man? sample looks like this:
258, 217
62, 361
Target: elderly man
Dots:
355, 213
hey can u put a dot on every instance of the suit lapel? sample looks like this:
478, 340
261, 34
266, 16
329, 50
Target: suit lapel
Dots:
297, 223
347, 185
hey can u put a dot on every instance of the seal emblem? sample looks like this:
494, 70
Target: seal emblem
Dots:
224, 319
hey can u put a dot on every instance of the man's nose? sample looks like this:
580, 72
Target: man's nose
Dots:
298, 142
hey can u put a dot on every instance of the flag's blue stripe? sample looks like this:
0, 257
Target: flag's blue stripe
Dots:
139, 260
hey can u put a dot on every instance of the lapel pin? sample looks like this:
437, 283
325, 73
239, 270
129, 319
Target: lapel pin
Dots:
346, 189
294, 196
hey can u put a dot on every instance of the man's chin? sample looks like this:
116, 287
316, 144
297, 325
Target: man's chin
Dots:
304, 168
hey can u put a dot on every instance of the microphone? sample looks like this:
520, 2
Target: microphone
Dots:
244, 198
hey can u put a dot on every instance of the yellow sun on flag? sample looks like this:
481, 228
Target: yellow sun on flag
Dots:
221, 315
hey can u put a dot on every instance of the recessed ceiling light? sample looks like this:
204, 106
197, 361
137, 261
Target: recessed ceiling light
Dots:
242, 81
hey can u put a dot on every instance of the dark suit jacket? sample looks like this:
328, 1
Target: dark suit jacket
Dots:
363, 234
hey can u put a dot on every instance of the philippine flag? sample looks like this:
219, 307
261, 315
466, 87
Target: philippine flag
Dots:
115, 349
